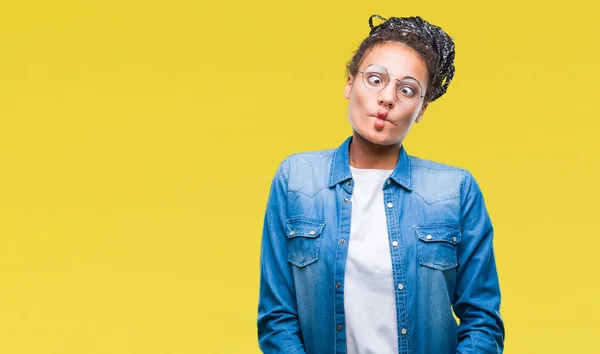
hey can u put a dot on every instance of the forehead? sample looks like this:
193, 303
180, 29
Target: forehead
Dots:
399, 59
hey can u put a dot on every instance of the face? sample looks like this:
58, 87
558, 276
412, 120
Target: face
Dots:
379, 116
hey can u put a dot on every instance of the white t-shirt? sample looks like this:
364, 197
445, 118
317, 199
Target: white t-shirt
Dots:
369, 300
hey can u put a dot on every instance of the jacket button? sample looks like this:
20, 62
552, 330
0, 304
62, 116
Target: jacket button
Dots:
345, 200
337, 285
339, 328
342, 241
390, 205
403, 331
395, 243
429, 237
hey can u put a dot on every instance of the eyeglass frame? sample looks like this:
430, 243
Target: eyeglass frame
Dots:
389, 80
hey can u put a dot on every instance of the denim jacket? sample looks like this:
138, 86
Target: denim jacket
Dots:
440, 238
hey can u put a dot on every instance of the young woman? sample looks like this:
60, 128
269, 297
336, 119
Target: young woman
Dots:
366, 249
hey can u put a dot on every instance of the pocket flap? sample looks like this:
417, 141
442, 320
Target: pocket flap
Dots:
304, 227
438, 233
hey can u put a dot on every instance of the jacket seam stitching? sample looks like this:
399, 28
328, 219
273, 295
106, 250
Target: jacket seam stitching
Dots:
434, 201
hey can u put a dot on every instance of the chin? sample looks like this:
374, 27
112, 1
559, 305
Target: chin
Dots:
379, 138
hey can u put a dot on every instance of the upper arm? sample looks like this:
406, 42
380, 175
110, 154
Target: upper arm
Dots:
477, 291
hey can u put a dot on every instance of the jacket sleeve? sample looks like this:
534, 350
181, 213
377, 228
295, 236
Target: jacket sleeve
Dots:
477, 292
278, 326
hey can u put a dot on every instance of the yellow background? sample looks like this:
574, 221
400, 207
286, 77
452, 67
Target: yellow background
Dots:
138, 140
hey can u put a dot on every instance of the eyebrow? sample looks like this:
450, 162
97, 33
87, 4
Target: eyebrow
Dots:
417, 81
410, 77
387, 72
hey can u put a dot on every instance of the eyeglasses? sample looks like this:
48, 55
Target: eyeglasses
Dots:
408, 89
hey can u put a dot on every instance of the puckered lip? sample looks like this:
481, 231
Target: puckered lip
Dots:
382, 114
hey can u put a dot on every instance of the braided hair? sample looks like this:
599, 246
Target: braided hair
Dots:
434, 46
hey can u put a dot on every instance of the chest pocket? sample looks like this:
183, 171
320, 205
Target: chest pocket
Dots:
304, 236
437, 246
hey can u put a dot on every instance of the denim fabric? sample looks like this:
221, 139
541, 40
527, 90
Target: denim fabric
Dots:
440, 239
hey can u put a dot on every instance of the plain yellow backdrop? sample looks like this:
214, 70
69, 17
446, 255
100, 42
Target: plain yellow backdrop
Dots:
138, 140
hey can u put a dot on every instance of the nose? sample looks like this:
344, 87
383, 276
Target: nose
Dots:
387, 96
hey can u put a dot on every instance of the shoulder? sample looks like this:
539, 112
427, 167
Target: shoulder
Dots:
310, 159
435, 181
423, 166
307, 172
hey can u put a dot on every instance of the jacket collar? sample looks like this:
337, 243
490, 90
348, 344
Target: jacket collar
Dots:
340, 167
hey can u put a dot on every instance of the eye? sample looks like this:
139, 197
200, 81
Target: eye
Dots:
375, 79
407, 91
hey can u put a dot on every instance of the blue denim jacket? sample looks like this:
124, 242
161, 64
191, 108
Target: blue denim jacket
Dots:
440, 239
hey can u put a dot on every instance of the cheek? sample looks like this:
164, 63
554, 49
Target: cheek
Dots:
358, 99
405, 117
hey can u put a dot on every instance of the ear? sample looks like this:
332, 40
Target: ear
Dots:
348, 88
420, 116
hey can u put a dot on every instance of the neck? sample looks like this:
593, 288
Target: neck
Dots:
364, 154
